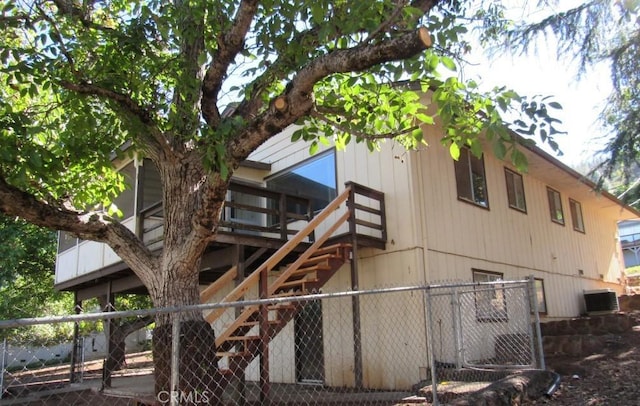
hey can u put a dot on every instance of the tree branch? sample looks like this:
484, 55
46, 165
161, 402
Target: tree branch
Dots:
95, 226
58, 37
298, 98
184, 117
83, 16
387, 23
228, 47
276, 71
157, 141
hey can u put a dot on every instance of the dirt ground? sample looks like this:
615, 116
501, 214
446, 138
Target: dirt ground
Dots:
608, 377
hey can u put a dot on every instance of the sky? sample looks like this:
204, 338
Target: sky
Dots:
582, 99
542, 73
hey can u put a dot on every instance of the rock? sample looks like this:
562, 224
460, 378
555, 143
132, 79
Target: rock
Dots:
512, 390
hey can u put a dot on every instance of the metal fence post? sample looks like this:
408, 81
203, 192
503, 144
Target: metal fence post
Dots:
82, 357
432, 358
2, 366
536, 315
175, 359
457, 327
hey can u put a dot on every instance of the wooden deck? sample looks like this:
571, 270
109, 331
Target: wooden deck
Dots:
256, 223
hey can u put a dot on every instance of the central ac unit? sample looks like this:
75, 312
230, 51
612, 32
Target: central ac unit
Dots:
601, 301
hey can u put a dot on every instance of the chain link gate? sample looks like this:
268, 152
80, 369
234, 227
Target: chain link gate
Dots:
479, 333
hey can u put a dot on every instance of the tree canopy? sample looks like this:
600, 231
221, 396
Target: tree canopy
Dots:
27, 263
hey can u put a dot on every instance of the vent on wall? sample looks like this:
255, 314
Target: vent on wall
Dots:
601, 301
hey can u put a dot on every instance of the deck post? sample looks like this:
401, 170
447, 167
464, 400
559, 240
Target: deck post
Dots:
76, 332
282, 207
265, 386
109, 325
355, 300
237, 382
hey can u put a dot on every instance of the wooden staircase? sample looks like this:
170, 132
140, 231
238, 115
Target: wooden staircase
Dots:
241, 341
247, 336
249, 330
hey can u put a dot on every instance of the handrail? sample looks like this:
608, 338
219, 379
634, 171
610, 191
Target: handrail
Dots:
287, 248
212, 289
307, 254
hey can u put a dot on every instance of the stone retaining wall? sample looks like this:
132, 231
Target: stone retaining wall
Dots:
629, 303
585, 335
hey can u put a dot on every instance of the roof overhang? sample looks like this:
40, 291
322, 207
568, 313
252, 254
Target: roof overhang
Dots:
556, 174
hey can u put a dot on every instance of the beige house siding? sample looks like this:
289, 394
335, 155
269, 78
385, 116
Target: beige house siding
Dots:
461, 236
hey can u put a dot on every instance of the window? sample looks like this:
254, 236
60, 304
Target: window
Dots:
151, 184
491, 305
314, 179
470, 179
66, 241
515, 190
540, 296
555, 206
125, 201
576, 215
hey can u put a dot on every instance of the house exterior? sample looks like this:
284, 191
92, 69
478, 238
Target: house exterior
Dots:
471, 220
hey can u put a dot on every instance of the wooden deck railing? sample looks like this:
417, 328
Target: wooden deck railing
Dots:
248, 209
261, 212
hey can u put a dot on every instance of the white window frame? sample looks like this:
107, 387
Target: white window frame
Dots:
490, 300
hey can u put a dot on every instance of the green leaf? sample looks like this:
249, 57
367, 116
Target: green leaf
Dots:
448, 63
519, 160
297, 134
313, 148
499, 148
425, 118
454, 151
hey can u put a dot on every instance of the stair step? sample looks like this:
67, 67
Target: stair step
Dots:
231, 354
310, 269
334, 248
281, 306
320, 258
242, 338
250, 324
297, 282
291, 293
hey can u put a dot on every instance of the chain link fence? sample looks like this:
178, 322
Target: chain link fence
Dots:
368, 348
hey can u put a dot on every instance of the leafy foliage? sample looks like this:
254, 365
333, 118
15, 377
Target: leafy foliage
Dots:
26, 279
26, 270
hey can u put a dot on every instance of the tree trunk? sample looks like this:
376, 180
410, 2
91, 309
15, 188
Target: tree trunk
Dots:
190, 214
199, 377
117, 353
